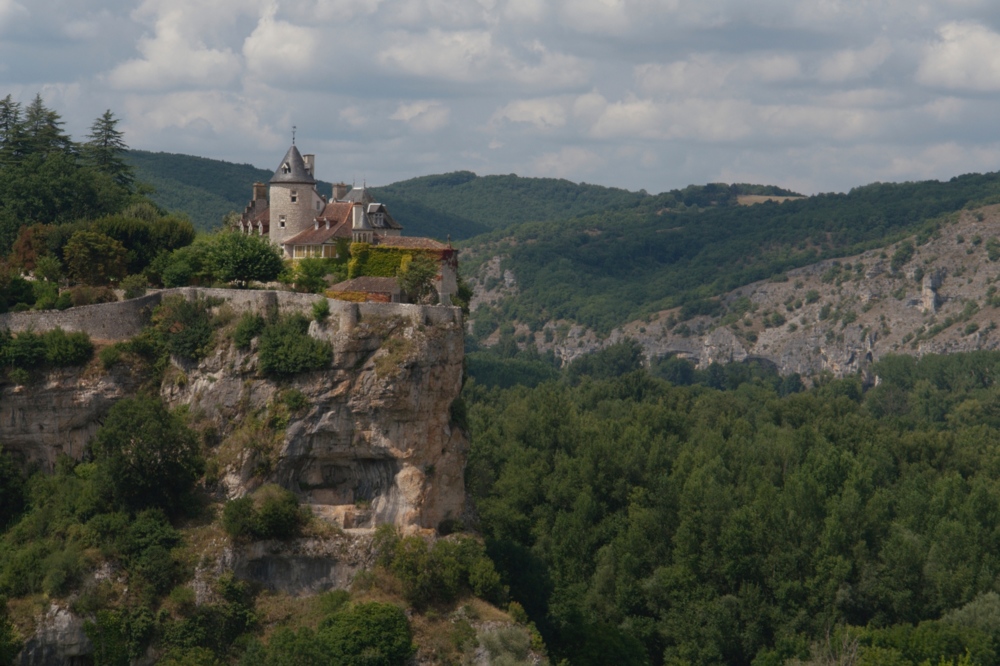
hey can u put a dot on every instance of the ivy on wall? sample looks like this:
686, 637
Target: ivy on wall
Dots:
375, 261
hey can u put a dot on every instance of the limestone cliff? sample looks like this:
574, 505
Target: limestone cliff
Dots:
835, 316
372, 441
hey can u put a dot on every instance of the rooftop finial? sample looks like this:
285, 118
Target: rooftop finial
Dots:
293, 134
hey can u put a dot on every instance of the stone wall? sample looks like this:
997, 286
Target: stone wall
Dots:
125, 319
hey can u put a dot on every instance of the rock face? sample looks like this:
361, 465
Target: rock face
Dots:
375, 443
370, 440
836, 316
40, 423
59, 640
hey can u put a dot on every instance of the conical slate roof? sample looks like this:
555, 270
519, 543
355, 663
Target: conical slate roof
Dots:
293, 169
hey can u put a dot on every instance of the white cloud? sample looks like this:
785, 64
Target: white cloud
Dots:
596, 16
571, 162
456, 56
965, 57
529, 11
854, 64
11, 13
354, 116
178, 54
278, 50
545, 113
423, 116
196, 114
704, 73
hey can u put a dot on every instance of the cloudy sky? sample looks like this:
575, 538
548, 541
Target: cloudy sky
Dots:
814, 95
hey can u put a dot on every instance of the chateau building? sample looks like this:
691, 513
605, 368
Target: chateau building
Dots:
290, 212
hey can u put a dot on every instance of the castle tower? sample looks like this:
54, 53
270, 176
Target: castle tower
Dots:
295, 203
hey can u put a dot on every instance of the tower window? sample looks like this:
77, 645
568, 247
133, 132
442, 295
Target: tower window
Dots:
286, 168
281, 221
295, 196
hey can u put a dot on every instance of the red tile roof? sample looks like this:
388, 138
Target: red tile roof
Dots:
412, 243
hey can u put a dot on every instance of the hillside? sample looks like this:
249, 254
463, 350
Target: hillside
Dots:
604, 270
460, 204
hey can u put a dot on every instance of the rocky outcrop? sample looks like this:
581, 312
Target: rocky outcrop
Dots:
40, 422
59, 640
836, 316
371, 442
375, 443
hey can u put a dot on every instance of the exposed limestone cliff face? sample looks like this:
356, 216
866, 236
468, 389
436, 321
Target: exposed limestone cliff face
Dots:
834, 316
374, 443
40, 422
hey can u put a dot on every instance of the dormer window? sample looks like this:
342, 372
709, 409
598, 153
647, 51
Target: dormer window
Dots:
295, 196
286, 168
281, 221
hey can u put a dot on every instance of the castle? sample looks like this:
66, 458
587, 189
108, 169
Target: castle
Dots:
290, 212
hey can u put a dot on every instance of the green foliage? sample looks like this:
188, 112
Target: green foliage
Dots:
286, 348
249, 327
310, 274
416, 275
10, 643
272, 513
606, 268
94, 258
55, 348
13, 493
367, 634
722, 526
64, 349
203, 189
185, 326
147, 456
442, 572
371, 633
134, 286
902, 255
993, 249
612, 361
321, 310
244, 258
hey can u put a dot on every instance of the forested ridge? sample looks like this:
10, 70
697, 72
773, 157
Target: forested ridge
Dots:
643, 522
610, 268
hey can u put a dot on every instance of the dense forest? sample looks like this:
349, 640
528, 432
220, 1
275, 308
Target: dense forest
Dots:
733, 518
606, 269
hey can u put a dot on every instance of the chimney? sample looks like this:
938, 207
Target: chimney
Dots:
358, 221
310, 161
259, 191
339, 191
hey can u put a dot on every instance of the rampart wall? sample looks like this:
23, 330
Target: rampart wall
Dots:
125, 319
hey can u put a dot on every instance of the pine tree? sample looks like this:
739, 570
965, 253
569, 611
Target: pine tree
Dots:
11, 131
105, 147
43, 130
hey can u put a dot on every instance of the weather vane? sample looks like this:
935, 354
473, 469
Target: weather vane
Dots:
293, 134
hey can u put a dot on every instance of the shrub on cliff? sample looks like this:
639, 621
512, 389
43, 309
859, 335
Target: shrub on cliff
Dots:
185, 326
442, 572
146, 456
249, 327
271, 513
286, 348
62, 349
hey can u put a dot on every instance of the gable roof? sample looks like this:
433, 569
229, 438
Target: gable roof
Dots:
412, 243
292, 169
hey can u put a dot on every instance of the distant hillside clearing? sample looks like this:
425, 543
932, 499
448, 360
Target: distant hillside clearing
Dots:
751, 199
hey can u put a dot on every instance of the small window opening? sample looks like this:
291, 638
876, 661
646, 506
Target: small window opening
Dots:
281, 221
295, 196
